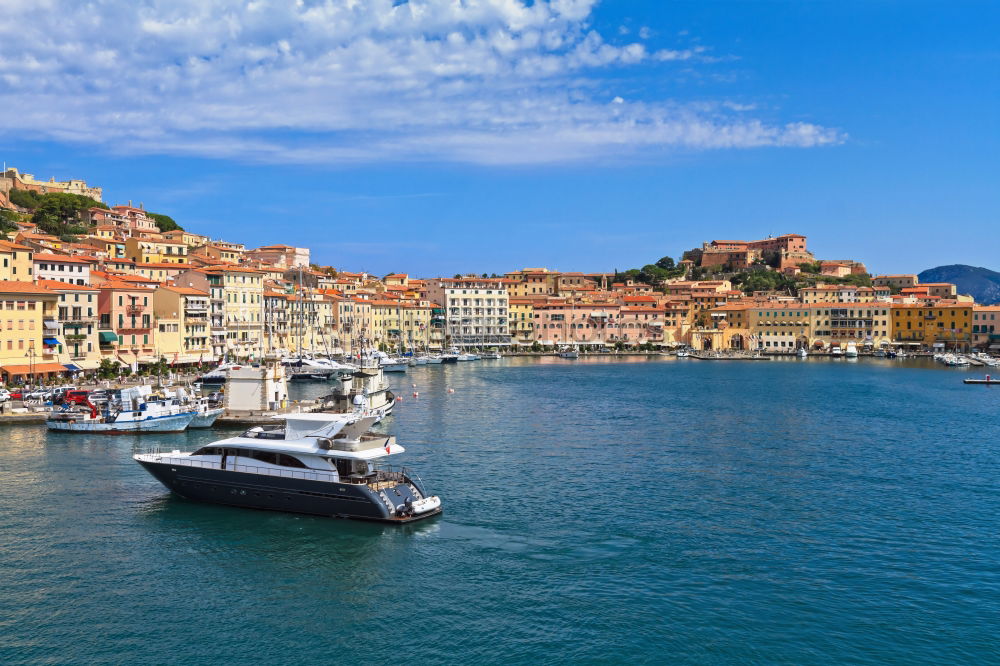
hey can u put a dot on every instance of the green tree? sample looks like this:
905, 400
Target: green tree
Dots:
25, 198
8, 222
666, 263
107, 369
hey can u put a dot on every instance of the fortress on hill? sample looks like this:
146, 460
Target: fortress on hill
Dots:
11, 179
788, 250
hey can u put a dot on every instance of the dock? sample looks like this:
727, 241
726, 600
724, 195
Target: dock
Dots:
729, 357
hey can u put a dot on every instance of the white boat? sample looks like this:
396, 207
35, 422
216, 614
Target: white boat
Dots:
803, 353
127, 413
318, 464
394, 364
420, 360
683, 353
218, 374
851, 351
492, 355
836, 351
568, 352
206, 413
434, 360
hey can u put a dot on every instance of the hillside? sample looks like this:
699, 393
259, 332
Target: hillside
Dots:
981, 283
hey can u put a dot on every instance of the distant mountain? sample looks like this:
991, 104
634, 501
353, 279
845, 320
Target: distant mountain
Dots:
980, 283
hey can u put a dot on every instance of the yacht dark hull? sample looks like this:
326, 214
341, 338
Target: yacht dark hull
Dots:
274, 493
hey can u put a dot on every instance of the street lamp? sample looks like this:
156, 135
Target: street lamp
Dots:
31, 361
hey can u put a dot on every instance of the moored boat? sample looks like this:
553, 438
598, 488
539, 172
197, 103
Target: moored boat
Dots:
127, 413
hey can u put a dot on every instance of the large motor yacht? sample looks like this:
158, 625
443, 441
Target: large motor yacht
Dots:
320, 464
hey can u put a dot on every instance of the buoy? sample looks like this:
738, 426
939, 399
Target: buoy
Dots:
399, 398
415, 394
451, 390
413, 385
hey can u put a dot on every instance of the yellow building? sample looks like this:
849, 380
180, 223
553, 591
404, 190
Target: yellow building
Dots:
186, 237
149, 251
236, 298
415, 321
16, 262
224, 253
76, 323
864, 324
182, 334
780, 326
946, 324
27, 349
522, 320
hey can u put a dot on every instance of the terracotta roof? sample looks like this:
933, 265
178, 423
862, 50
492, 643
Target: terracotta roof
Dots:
14, 286
64, 258
56, 285
187, 291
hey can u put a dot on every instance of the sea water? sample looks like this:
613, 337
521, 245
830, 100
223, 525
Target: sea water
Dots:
596, 511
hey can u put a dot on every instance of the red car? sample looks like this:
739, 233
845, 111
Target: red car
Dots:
16, 395
76, 397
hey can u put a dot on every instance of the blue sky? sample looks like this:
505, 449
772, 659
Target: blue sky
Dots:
436, 137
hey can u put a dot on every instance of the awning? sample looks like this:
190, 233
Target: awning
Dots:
72, 367
51, 323
88, 365
107, 336
37, 368
50, 341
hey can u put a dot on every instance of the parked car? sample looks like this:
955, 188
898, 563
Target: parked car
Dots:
4, 395
75, 397
98, 395
41, 395
16, 394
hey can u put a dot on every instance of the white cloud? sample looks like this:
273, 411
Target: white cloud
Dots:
481, 81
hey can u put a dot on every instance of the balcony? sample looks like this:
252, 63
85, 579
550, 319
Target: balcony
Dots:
77, 321
134, 310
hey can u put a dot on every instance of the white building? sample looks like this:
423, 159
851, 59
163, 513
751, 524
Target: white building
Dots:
476, 310
61, 268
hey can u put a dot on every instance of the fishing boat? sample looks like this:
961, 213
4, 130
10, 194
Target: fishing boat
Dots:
128, 412
318, 464
206, 413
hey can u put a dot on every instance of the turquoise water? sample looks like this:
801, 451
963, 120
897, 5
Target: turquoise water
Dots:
669, 511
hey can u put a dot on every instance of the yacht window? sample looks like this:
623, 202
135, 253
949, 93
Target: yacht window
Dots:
265, 457
343, 467
289, 461
207, 451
